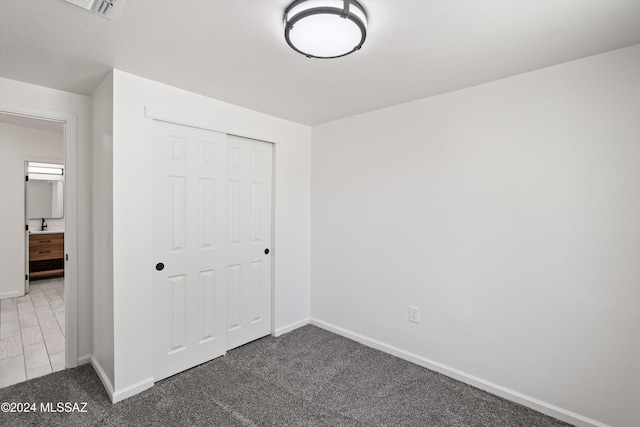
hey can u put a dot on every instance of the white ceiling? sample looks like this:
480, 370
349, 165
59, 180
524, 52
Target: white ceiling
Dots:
234, 50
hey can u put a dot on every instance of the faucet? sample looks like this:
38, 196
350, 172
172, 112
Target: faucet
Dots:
43, 226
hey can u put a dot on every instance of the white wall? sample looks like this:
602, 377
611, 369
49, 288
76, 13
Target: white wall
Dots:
509, 214
132, 213
18, 144
18, 94
103, 338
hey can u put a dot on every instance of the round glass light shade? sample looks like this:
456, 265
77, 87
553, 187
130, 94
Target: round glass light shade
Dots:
325, 28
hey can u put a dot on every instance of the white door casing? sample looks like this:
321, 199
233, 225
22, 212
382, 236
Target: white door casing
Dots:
249, 178
71, 222
190, 236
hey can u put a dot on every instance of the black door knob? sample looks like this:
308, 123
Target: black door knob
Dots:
266, 251
159, 266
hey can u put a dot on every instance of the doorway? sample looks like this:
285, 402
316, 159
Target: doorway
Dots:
38, 330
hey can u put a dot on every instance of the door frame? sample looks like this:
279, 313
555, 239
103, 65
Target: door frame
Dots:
26, 160
69, 122
162, 114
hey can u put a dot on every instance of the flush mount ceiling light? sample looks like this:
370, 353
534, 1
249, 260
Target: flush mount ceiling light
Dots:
325, 28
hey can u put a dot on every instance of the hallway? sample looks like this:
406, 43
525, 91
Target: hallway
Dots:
32, 342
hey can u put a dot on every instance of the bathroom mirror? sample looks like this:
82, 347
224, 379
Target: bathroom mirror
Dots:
45, 192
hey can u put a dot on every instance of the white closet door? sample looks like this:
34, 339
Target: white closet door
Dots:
249, 240
190, 240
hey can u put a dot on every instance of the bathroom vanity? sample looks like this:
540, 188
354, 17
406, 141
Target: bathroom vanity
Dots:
46, 254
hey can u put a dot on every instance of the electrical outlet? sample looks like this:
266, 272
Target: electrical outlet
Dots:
414, 314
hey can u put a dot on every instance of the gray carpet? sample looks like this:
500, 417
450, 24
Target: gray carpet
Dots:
309, 377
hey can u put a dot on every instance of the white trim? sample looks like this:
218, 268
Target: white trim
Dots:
126, 392
71, 222
498, 390
12, 294
180, 117
274, 258
83, 360
132, 390
290, 327
103, 377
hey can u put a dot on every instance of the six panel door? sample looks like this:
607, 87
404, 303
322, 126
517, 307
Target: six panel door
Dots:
248, 297
190, 247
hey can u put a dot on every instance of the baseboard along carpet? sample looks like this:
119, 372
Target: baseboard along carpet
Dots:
308, 377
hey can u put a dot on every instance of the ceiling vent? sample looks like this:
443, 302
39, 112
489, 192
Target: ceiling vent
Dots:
108, 8
86, 4
105, 8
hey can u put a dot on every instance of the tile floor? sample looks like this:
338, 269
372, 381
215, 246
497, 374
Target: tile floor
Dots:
32, 333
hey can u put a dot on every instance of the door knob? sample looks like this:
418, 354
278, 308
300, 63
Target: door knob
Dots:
266, 251
159, 266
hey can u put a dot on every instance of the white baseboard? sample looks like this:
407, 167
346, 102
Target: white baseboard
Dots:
132, 390
290, 327
83, 360
103, 377
117, 396
12, 294
528, 401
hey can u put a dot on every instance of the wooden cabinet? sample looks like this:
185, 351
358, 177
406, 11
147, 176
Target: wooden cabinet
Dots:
46, 255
